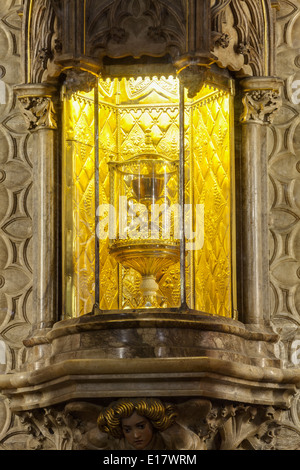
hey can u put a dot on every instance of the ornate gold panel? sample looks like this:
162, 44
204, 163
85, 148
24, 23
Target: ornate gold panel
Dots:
134, 113
78, 205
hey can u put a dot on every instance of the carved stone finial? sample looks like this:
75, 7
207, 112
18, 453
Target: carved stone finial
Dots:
195, 424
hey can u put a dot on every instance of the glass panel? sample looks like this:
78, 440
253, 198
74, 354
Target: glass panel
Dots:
210, 174
146, 116
135, 116
78, 204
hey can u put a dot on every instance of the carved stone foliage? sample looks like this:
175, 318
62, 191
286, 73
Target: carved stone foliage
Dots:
260, 106
43, 429
39, 112
200, 425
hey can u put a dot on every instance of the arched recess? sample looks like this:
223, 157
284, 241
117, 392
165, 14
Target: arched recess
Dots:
69, 43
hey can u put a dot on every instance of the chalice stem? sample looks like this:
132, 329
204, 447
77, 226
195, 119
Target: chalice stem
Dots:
149, 289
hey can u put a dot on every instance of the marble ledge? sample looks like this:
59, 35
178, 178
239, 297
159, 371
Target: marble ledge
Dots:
162, 318
173, 377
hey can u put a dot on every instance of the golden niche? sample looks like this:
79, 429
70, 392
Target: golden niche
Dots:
135, 114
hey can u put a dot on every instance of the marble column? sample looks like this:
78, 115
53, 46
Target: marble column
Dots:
38, 103
261, 99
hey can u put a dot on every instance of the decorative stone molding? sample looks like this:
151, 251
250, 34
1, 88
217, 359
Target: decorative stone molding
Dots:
145, 354
249, 48
41, 50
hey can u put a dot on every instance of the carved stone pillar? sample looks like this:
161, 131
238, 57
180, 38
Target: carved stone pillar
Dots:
38, 103
261, 99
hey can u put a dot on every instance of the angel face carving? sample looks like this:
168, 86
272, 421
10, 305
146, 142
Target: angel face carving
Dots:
138, 431
138, 422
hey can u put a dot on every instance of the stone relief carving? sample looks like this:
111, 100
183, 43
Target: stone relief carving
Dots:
15, 211
148, 27
39, 112
196, 424
260, 106
284, 177
44, 429
153, 26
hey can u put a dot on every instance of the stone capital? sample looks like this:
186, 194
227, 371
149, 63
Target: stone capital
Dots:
261, 99
38, 105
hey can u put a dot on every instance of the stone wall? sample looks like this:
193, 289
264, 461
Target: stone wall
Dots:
284, 200
284, 188
15, 205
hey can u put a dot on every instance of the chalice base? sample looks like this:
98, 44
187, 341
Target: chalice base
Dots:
147, 259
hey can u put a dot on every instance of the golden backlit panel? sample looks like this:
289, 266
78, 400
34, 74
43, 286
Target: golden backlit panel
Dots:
211, 176
145, 108
79, 205
109, 269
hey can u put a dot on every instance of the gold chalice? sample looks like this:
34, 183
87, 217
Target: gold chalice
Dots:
144, 179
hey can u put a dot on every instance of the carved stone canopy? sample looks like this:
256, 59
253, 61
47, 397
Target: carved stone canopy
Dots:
183, 34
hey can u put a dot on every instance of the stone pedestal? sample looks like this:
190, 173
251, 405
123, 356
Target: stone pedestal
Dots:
152, 353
